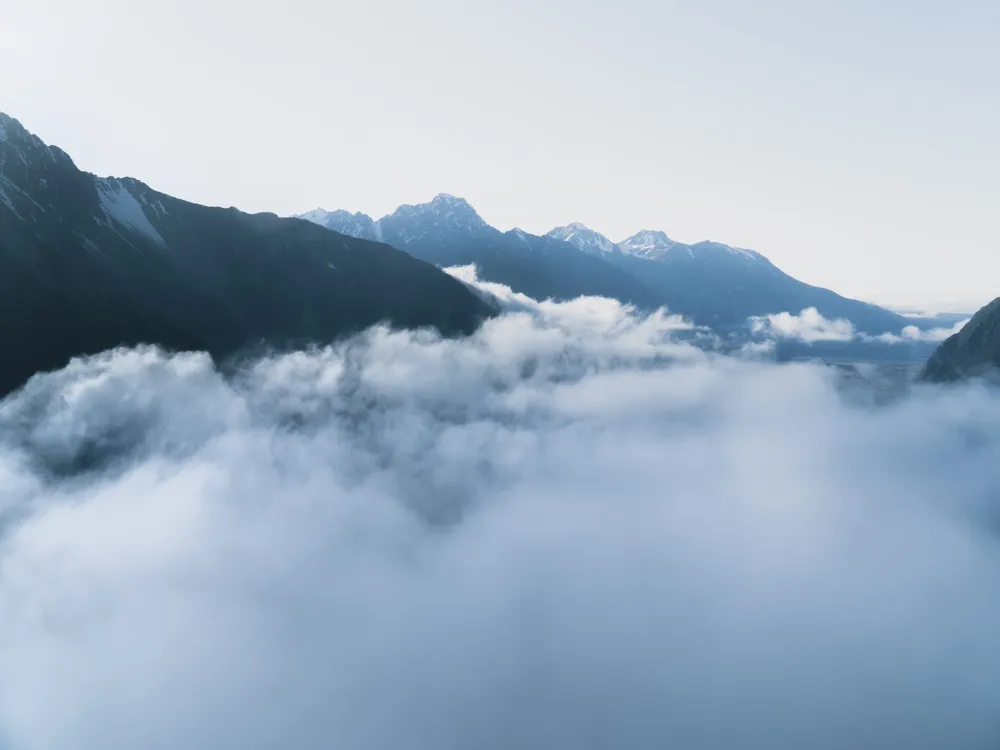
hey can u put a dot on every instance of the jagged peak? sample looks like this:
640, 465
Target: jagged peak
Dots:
446, 202
14, 135
320, 214
449, 199
573, 228
454, 211
654, 237
10, 126
583, 238
318, 211
11, 129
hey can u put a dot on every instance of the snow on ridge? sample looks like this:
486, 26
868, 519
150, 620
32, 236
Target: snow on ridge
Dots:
651, 244
739, 252
316, 216
655, 244
358, 225
119, 204
584, 238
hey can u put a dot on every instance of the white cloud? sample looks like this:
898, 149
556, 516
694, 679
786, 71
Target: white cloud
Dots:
912, 333
567, 531
808, 326
811, 327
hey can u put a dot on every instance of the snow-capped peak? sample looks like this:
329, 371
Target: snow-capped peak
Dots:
443, 212
353, 225
8, 127
583, 238
719, 249
316, 216
649, 243
451, 207
448, 199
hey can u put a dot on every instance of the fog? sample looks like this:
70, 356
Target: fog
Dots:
571, 530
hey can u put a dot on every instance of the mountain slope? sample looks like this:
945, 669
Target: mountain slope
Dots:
87, 264
973, 351
448, 232
721, 286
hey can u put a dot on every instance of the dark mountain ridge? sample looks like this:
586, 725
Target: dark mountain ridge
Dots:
972, 352
88, 264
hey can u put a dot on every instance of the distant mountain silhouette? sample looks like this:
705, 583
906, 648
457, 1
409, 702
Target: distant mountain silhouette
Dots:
89, 263
711, 283
448, 232
721, 286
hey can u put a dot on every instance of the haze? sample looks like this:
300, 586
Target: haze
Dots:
853, 143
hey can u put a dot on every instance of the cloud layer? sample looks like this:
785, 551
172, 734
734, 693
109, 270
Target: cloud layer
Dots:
809, 326
570, 530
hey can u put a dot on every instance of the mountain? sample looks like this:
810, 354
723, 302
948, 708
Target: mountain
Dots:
584, 239
448, 232
721, 286
353, 225
90, 263
973, 351
649, 244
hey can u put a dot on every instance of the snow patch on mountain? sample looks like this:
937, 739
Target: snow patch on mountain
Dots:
521, 235
316, 216
444, 211
5, 200
651, 244
353, 225
120, 205
583, 238
723, 250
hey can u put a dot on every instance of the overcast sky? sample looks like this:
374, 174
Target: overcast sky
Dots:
854, 143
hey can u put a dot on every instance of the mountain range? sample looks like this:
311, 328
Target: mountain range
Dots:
711, 283
447, 231
89, 263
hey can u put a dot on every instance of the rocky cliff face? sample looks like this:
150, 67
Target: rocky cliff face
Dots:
973, 351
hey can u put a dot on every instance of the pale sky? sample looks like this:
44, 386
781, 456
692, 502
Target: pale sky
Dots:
856, 144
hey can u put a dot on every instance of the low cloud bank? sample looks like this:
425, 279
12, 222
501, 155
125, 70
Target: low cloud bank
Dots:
810, 326
570, 530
